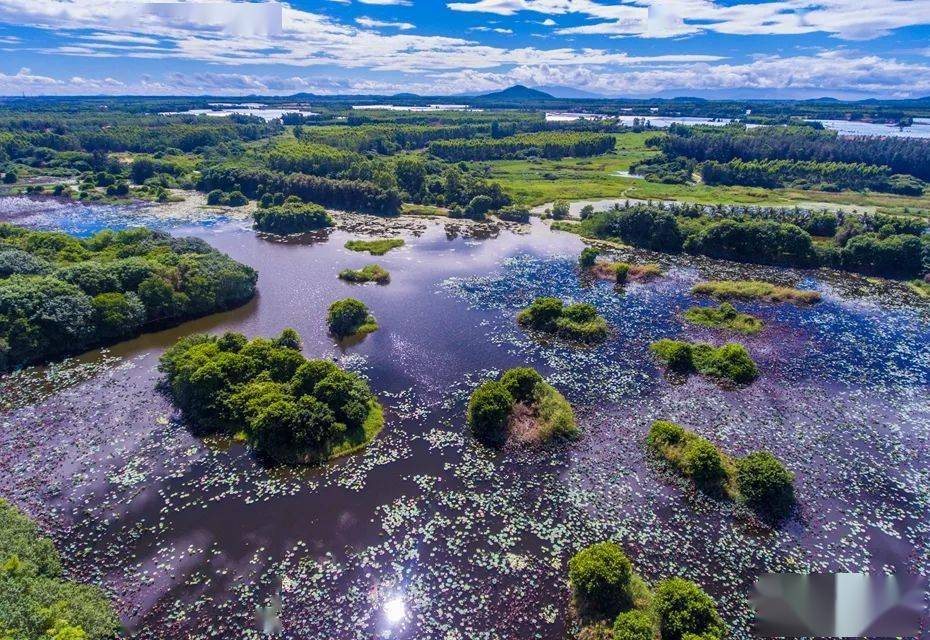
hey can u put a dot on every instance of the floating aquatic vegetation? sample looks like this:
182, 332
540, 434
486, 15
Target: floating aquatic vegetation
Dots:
464, 542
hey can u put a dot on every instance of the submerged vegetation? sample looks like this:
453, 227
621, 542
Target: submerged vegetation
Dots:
375, 247
290, 409
60, 294
368, 273
576, 322
36, 601
724, 316
615, 602
759, 480
730, 362
754, 290
350, 317
520, 406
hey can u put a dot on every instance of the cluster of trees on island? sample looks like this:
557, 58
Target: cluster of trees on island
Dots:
614, 602
60, 294
794, 156
36, 601
520, 405
290, 409
350, 317
291, 216
729, 362
759, 480
577, 322
872, 245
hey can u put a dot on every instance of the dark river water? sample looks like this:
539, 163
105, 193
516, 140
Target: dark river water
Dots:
426, 534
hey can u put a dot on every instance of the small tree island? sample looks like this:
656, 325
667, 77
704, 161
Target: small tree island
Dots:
368, 273
759, 480
350, 317
619, 272
729, 363
520, 406
289, 409
291, 217
576, 322
613, 601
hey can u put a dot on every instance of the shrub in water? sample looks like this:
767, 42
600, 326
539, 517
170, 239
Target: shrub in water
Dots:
523, 383
704, 464
601, 578
587, 258
684, 609
633, 625
348, 317
489, 412
621, 272
765, 484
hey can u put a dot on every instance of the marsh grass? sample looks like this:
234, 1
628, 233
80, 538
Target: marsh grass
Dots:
754, 290
621, 272
554, 415
920, 287
727, 363
724, 316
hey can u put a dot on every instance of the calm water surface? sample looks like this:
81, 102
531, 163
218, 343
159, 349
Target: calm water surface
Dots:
425, 534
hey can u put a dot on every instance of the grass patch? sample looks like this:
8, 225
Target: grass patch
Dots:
920, 287
554, 414
411, 209
375, 247
724, 317
754, 290
356, 440
368, 273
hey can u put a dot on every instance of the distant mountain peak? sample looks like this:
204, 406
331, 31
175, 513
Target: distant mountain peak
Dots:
518, 92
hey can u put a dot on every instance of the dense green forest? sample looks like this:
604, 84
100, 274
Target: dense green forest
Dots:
36, 602
873, 245
543, 145
61, 295
794, 156
900, 155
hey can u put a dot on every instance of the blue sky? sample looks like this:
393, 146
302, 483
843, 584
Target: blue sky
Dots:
714, 48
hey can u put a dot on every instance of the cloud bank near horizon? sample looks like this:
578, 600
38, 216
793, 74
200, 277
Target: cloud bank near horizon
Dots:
642, 47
